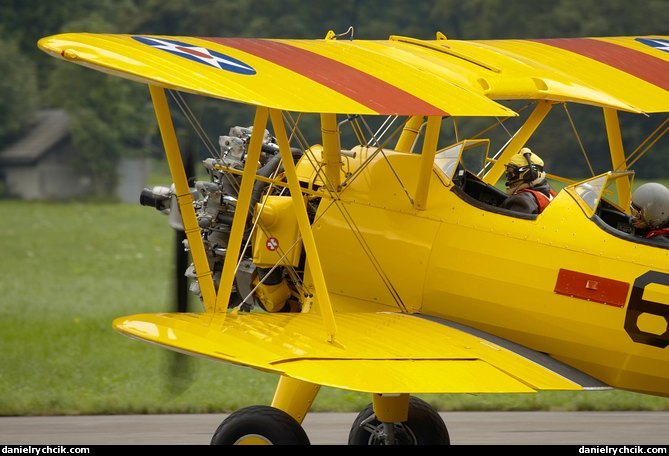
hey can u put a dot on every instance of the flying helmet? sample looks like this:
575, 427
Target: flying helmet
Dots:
650, 204
524, 166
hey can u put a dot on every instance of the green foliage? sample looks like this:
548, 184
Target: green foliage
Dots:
27, 21
111, 118
18, 86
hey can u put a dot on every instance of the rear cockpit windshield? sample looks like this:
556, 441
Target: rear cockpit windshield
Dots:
606, 200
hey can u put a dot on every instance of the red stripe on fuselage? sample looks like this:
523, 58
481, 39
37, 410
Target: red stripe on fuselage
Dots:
365, 89
643, 66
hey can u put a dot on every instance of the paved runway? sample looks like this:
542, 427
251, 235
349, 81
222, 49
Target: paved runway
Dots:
465, 428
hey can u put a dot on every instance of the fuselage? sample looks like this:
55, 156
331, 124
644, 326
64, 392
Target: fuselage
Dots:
557, 283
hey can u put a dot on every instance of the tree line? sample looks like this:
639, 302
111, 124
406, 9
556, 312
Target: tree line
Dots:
112, 117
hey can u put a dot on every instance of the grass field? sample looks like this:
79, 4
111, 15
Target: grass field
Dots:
67, 270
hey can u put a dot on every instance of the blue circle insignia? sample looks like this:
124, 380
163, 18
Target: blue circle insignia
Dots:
662, 45
198, 54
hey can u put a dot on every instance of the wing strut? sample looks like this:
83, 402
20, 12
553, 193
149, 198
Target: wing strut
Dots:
243, 203
331, 151
623, 186
303, 224
427, 161
409, 134
184, 197
217, 300
520, 138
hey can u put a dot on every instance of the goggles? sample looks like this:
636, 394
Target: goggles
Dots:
515, 173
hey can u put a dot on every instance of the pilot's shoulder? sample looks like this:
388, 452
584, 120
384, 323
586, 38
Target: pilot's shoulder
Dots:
520, 202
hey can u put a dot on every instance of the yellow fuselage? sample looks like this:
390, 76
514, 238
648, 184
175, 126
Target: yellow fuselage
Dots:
498, 273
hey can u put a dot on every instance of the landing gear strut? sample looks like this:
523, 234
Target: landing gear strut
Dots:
424, 426
279, 424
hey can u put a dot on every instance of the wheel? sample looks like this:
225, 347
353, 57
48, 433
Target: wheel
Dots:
423, 427
260, 425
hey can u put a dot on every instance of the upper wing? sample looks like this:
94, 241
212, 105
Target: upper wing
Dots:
293, 75
632, 70
397, 76
374, 352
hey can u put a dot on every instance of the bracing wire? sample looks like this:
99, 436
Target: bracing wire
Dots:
578, 139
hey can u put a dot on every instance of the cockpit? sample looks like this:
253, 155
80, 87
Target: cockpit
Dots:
458, 163
598, 196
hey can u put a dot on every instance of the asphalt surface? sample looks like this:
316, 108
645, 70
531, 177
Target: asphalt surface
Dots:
465, 428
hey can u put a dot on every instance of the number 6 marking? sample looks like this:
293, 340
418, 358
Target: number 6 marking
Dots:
637, 306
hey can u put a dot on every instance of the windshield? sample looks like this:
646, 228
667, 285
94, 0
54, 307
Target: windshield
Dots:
590, 192
448, 158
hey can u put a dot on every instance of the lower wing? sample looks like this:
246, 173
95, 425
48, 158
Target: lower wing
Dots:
376, 352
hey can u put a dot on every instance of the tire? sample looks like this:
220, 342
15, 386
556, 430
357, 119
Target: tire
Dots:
260, 425
423, 427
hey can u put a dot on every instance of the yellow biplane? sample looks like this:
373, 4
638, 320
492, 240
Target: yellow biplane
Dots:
387, 265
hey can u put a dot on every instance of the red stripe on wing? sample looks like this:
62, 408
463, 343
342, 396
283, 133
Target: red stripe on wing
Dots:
643, 66
366, 89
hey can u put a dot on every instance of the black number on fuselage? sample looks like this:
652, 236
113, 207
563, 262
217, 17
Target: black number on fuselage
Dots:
637, 306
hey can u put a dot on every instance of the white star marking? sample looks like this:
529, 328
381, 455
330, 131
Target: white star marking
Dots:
200, 53
663, 45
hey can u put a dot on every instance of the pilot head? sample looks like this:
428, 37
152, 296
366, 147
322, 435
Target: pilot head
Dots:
524, 169
650, 206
